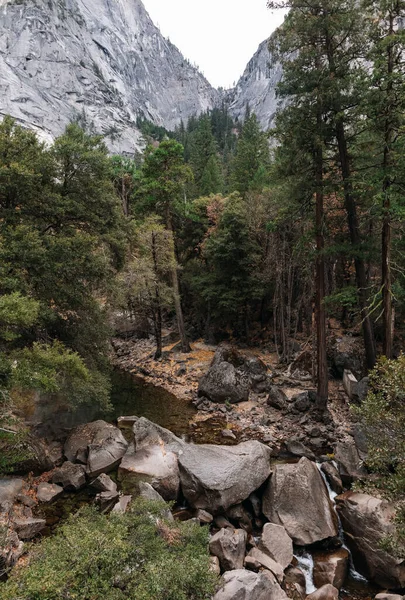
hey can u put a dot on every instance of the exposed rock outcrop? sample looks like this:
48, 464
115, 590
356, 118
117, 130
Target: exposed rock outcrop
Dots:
246, 585
296, 498
229, 545
102, 63
367, 521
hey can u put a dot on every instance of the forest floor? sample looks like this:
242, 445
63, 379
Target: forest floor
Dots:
179, 374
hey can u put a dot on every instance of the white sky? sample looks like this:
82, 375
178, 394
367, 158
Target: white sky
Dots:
220, 36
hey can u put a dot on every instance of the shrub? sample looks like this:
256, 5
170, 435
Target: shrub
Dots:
120, 557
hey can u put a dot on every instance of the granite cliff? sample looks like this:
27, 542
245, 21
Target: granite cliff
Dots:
102, 62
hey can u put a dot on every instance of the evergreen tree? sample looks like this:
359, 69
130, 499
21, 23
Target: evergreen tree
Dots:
252, 158
161, 188
204, 159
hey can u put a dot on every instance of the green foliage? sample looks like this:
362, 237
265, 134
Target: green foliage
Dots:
382, 415
136, 556
16, 313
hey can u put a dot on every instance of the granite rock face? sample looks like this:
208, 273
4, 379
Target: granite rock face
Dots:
102, 63
257, 88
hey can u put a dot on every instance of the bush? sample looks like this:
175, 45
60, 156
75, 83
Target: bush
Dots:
136, 556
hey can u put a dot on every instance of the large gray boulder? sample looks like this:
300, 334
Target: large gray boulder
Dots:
155, 465
146, 433
99, 445
216, 477
276, 543
246, 585
367, 521
229, 545
326, 592
296, 497
225, 383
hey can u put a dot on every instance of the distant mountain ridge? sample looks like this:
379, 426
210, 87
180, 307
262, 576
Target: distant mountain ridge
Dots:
104, 63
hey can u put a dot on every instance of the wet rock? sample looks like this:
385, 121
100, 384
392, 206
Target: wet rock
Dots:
277, 398
104, 483
295, 575
28, 528
229, 545
267, 563
247, 585
349, 462
331, 568
333, 477
153, 464
276, 543
326, 592
47, 492
367, 521
99, 445
296, 498
71, 477
9, 490
216, 477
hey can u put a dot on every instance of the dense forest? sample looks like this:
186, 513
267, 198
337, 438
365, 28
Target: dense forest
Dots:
226, 231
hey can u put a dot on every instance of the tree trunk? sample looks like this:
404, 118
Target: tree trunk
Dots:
157, 313
355, 238
320, 316
386, 227
185, 346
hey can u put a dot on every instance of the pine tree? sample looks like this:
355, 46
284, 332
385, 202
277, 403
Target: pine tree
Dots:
204, 159
251, 161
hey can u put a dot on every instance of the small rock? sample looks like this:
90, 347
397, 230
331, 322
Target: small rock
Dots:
268, 563
277, 398
227, 433
296, 448
276, 543
107, 500
28, 528
204, 517
9, 489
122, 504
148, 492
229, 546
221, 522
47, 492
214, 565
26, 500
104, 483
71, 477
252, 563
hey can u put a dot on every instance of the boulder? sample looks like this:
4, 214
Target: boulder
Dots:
9, 490
149, 493
326, 592
11, 550
224, 383
276, 543
204, 517
27, 528
216, 477
229, 545
296, 497
296, 448
367, 521
247, 585
99, 445
214, 565
47, 492
107, 500
331, 568
304, 401
153, 464
277, 398
349, 462
332, 476
104, 483
268, 563
71, 477
350, 384
146, 433
242, 516
347, 353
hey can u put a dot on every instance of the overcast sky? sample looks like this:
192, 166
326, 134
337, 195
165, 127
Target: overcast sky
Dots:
220, 36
